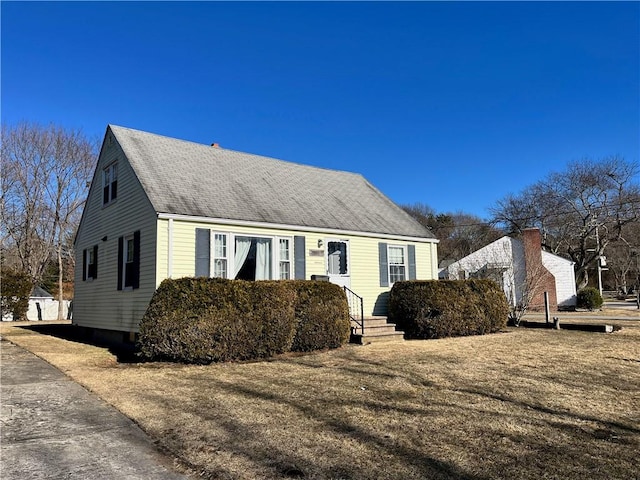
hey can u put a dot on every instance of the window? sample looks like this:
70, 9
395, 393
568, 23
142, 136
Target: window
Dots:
337, 258
227, 255
129, 262
285, 258
220, 256
129, 251
90, 263
397, 264
109, 184
252, 258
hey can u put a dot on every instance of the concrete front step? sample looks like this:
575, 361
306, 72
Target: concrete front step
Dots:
387, 337
376, 329
376, 321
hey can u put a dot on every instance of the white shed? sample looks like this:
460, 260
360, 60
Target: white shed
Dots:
43, 306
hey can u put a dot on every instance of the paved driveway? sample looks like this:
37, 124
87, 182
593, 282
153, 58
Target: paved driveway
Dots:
53, 428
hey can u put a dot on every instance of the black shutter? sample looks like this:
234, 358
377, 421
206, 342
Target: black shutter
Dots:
136, 259
412, 261
120, 261
105, 194
95, 262
299, 258
114, 189
384, 265
84, 265
203, 252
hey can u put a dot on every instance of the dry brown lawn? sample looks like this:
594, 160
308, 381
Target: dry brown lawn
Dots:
525, 404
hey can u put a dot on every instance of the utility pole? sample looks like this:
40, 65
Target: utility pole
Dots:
599, 263
600, 260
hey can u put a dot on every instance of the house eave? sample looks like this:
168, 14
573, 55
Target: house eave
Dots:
299, 228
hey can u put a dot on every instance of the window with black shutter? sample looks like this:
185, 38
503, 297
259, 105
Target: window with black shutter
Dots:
90, 263
129, 261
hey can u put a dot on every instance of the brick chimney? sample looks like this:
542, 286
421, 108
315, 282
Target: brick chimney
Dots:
539, 279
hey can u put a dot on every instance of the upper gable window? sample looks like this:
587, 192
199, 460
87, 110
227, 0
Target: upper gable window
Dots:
110, 183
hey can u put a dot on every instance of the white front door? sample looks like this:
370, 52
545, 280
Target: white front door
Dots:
338, 262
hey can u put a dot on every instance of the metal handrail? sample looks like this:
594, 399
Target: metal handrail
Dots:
356, 310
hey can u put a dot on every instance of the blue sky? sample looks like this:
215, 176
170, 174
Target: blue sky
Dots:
452, 104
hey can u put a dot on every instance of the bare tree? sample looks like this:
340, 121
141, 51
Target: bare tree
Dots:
579, 211
622, 258
46, 172
460, 233
520, 274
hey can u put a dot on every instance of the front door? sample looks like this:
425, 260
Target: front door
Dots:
338, 262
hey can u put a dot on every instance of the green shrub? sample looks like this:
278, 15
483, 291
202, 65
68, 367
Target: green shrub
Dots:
446, 308
322, 315
589, 298
16, 289
202, 320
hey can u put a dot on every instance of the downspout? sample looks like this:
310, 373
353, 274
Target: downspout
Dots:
434, 261
170, 249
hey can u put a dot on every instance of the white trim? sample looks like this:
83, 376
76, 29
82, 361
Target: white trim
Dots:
297, 228
434, 265
170, 249
277, 260
229, 239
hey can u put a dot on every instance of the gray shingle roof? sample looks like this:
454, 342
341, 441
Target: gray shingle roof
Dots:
40, 292
188, 178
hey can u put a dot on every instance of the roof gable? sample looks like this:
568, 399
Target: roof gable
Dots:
558, 258
187, 178
502, 249
39, 292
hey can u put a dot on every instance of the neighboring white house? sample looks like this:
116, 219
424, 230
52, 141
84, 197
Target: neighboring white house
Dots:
520, 264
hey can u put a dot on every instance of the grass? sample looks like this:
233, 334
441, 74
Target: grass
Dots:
525, 404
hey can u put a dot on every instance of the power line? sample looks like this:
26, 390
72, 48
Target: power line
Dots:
524, 219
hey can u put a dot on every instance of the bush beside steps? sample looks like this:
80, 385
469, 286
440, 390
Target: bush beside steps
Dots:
447, 308
204, 320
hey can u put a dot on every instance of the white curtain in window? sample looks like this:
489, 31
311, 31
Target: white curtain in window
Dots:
243, 245
263, 259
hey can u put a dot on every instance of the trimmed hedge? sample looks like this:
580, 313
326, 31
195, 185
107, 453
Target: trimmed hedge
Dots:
203, 320
322, 315
589, 298
447, 308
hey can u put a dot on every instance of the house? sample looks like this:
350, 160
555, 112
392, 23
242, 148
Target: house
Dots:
160, 208
521, 266
42, 306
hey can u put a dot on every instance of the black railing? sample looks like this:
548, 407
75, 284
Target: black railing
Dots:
356, 311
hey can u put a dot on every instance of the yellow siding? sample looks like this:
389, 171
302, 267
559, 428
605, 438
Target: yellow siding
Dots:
364, 263
98, 303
